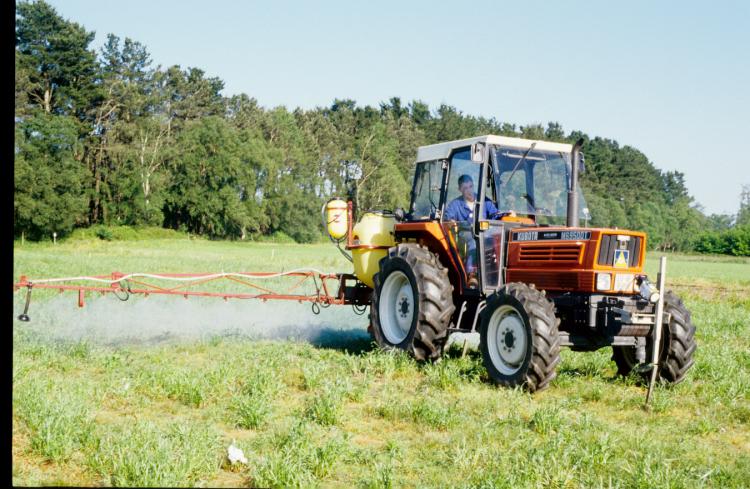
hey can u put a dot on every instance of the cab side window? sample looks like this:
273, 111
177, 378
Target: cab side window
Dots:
461, 164
427, 186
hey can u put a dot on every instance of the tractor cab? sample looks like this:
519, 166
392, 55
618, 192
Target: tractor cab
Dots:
479, 188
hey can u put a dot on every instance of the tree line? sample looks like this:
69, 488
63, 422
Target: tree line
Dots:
106, 138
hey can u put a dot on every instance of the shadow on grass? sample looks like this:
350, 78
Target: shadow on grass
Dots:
457, 352
356, 341
352, 340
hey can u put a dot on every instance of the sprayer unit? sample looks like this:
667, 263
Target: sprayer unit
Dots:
490, 243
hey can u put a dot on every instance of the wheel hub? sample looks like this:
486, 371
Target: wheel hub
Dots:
396, 308
507, 341
403, 306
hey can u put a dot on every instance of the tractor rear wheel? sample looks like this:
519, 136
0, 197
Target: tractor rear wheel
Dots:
677, 348
412, 303
519, 337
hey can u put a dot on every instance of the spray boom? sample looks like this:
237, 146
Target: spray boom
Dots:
323, 289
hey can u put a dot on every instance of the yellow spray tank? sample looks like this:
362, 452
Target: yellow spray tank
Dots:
371, 238
369, 241
336, 219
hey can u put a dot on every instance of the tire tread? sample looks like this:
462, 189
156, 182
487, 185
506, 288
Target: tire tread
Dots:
435, 296
545, 349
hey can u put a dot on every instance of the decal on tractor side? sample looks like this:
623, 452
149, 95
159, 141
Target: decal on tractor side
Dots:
552, 235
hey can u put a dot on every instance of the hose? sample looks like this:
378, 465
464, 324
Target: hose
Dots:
174, 279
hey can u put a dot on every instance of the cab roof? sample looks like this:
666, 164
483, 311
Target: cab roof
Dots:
443, 150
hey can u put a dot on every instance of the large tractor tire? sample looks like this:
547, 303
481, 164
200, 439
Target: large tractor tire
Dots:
412, 303
677, 348
519, 337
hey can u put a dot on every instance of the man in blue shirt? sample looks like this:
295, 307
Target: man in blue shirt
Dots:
462, 209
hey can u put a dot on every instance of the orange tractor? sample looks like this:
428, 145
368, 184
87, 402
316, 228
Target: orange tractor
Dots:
491, 241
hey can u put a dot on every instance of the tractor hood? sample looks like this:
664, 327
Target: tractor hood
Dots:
567, 259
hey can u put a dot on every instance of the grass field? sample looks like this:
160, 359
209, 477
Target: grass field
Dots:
152, 392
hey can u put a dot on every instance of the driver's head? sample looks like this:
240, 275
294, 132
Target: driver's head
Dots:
466, 187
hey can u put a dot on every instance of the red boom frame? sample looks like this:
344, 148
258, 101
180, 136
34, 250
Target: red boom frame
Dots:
325, 294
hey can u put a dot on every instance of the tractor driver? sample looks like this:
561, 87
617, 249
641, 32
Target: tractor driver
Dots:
462, 209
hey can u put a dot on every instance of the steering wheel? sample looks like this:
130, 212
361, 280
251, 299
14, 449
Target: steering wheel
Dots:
500, 214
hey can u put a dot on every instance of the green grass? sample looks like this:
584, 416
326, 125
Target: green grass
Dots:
143, 453
342, 414
714, 270
57, 417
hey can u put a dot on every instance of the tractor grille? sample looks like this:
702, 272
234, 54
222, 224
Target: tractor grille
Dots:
555, 253
610, 244
553, 280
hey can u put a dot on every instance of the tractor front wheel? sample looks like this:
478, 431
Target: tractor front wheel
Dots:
412, 303
519, 338
677, 348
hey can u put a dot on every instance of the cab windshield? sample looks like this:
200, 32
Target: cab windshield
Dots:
534, 182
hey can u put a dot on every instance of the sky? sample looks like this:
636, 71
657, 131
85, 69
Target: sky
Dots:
670, 78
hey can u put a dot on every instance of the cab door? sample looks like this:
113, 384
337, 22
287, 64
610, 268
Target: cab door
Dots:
489, 232
491, 251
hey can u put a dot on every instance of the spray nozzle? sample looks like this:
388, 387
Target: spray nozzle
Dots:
25, 316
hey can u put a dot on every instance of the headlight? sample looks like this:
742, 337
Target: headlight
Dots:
624, 282
603, 281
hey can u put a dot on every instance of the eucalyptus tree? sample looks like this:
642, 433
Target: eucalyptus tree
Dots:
55, 55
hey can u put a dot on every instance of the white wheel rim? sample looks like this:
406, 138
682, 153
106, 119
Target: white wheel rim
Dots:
506, 340
396, 308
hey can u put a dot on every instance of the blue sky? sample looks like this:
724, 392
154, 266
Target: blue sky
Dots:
669, 78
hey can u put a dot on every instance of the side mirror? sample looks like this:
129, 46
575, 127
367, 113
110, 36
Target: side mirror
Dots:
399, 214
477, 152
582, 165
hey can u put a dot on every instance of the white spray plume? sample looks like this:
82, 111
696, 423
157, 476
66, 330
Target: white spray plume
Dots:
152, 320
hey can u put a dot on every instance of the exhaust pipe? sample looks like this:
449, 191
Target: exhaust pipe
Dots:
575, 161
